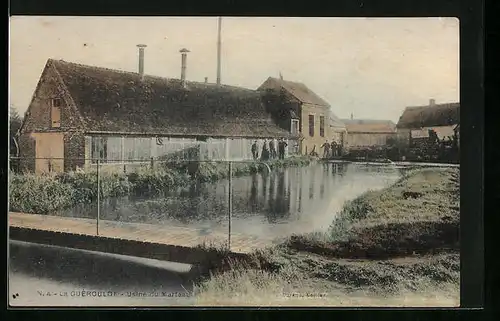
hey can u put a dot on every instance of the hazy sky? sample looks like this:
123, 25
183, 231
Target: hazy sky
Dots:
370, 67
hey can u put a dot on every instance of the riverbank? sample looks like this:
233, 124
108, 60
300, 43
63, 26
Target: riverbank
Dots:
44, 194
399, 242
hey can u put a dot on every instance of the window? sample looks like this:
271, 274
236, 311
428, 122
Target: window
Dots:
114, 150
311, 125
56, 102
294, 129
137, 148
99, 149
322, 126
55, 112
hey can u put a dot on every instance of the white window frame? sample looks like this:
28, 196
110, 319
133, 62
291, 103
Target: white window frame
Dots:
294, 125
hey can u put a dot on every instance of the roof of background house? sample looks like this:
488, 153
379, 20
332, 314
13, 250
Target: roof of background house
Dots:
113, 100
369, 126
428, 116
335, 121
296, 89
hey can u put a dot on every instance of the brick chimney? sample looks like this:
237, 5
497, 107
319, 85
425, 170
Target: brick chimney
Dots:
432, 102
183, 52
141, 60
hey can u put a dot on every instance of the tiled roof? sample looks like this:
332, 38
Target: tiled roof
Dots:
296, 89
112, 100
335, 121
369, 126
428, 116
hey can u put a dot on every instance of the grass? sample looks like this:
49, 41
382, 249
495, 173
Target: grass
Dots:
402, 240
212, 171
313, 281
262, 288
418, 214
43, 194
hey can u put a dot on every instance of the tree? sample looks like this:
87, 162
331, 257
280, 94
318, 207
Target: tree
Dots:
15, 122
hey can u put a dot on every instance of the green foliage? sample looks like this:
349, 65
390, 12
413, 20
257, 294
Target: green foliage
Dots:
15, 121
47, 193
39, 194
357, 209
156, 181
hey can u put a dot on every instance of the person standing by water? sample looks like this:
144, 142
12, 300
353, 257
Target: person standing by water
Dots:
255, 152
265, 151
272, 149
334, 148
339, 150
326, 152
281, 148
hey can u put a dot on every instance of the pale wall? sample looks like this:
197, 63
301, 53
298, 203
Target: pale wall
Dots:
367, 139
316, 140
49, 145
217, 149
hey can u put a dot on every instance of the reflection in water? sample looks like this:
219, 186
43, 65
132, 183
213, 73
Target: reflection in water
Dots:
253, 193
267, 204
323, 177
295, 200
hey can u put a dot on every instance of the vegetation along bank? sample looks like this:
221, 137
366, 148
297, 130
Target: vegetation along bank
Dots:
398, 242
43, 194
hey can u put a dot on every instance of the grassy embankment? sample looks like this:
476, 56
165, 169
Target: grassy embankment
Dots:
43, 194
396, 246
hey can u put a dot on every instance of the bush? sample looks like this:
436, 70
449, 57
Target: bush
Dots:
357, 209
47, 193
38, 194
156, 181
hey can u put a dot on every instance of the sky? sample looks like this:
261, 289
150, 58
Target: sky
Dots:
370, 67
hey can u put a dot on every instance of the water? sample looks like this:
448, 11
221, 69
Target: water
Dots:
268, 205
277, 204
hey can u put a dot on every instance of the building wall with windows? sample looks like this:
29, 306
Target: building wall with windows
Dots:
81, 113
314, 128
50, 114
128, 153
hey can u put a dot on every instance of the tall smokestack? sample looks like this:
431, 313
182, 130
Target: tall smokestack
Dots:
141, 60
183, 52
219, 50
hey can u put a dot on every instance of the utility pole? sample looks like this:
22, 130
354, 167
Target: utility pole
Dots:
219, 50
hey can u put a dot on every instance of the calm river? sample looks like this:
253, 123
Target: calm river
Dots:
276, 204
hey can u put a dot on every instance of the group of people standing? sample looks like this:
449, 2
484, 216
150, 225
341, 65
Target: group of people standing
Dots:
332, 149
269, 150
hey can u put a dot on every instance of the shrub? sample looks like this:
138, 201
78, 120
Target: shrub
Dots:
38, 194
47, 193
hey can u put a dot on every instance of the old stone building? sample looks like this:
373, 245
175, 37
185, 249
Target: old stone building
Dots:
80, 114
365, 133
416, 121
297, 108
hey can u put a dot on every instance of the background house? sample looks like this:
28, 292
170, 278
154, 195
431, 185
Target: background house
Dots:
80, 112
338, 129
298, 109
415, 122
364, 133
